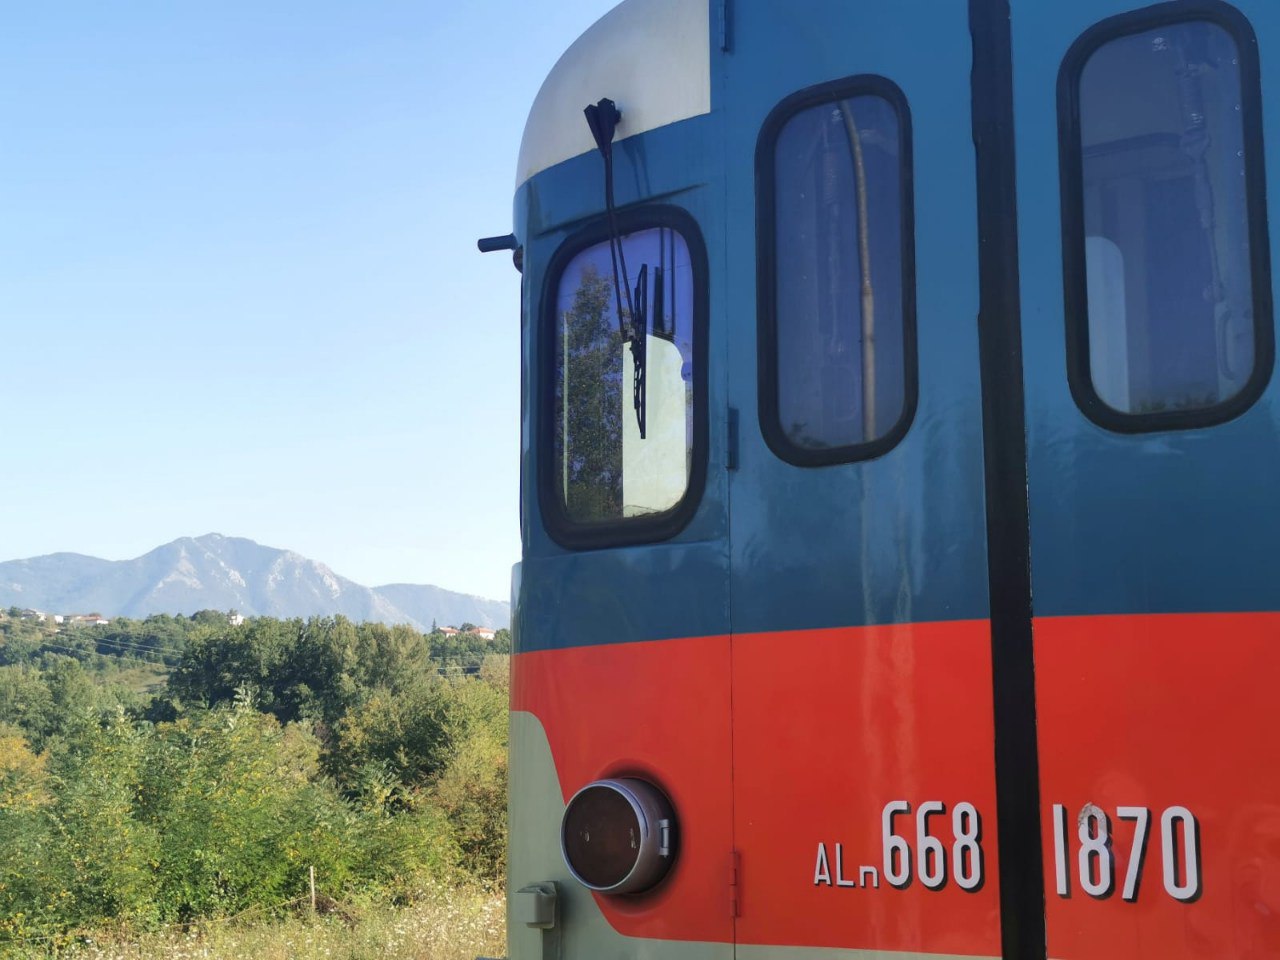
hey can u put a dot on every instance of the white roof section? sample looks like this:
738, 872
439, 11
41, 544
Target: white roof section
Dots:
650, 57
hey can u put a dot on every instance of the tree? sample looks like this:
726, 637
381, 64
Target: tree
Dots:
218, 662
472, 786
103, 854
25, 702
405, 732
592, 368
28, 865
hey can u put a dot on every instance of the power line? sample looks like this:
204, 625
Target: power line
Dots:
77, 651
95, 641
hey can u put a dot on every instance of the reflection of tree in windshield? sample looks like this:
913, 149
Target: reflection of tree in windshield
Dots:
593, 415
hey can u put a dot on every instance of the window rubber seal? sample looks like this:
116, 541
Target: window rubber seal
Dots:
650, 528
1071, 166
766, 272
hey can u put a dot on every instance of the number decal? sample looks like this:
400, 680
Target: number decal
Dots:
1139, 849
933, 858
1060, 848
927, 846
967, 827
897, 853
1095, 859
930, 859
1095, 852
1189, 887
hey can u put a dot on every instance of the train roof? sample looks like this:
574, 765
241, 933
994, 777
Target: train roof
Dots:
651, 57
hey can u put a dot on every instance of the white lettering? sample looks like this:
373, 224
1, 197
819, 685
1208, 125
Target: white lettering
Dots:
840, 880
821, 871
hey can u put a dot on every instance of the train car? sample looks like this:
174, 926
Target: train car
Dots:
899, 485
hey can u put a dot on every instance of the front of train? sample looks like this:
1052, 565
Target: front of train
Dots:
715, 712
751, 631
800, 436
620, 813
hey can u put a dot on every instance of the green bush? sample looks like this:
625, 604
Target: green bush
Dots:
278, 746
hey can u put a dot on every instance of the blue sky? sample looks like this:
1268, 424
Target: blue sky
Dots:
239, 289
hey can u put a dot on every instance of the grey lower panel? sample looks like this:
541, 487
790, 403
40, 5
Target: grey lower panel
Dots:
582, 932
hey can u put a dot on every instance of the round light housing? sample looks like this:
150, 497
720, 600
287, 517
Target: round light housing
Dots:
618, 836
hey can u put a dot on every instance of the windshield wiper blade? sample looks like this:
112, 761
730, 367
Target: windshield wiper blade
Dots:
640, 347
660, 328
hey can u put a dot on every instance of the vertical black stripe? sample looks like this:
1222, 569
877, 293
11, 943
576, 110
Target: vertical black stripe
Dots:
1022, 925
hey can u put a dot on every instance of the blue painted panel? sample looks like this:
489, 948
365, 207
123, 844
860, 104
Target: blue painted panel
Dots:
672, 589
623, 595
902, 537
1175, 521
647, 167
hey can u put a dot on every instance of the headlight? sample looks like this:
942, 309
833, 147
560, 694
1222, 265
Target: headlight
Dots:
618, 836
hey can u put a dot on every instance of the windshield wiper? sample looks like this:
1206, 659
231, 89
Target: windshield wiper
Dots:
659, 303
603, 119
640, 347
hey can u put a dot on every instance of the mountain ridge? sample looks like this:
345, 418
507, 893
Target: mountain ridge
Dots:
214, 572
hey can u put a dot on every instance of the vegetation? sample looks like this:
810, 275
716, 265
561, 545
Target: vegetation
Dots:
448, 924
181, 771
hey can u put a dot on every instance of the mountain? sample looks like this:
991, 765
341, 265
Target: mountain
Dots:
214, 572
427, 604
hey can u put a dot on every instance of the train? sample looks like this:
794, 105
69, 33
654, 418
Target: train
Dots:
900, 470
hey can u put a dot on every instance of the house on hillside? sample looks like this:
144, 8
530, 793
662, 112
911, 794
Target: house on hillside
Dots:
449, 631
86, 619
485, 633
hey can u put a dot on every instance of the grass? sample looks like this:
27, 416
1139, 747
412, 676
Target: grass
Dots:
144, 679
449, 925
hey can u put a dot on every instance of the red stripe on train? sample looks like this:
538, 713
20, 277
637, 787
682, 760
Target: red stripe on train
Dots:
1157, 713
1153, 713
658, 709
829, 726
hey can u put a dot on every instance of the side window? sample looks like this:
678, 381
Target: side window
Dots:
835, 268
625, 408
1165, 247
